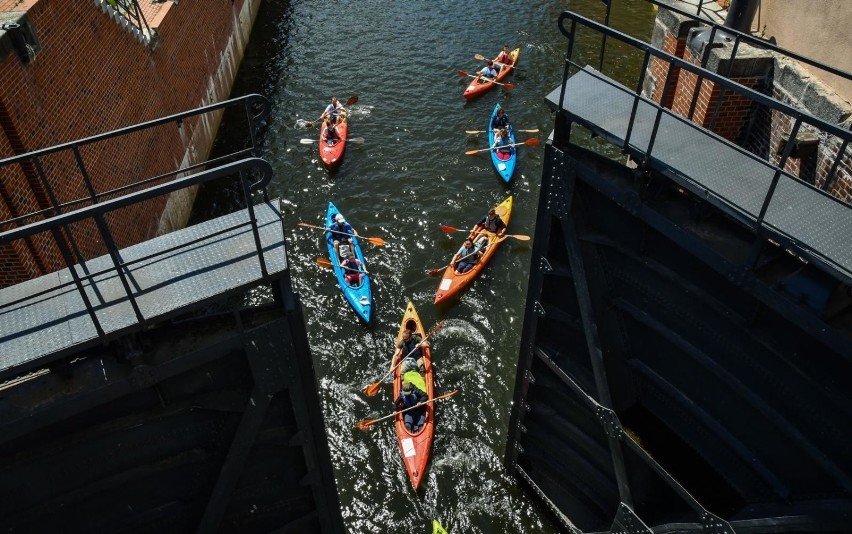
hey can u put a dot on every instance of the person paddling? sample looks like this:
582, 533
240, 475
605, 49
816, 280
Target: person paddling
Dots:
504, 59
412, 395
487, 72
341, 227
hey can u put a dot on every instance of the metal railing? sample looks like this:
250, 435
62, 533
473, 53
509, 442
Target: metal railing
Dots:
130, 11
58, 225
739, 37
568, 25
59, 217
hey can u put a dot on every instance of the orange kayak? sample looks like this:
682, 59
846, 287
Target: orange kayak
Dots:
415, 448
452, 283
476, 88
331, 154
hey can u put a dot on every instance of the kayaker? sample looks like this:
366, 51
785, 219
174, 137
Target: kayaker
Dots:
466, 257
492, 223
351, 267
409, 396
501, 121
330, 132
409, 348
505, 57
502, 142
487, 71
340, 225
332, 110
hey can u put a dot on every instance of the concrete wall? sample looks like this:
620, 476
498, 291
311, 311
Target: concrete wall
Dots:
819, 30
93, 74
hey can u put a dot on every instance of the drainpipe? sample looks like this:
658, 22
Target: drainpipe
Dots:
740, 16
19, 40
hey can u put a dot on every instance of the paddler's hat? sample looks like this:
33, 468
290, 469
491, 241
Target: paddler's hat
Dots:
407, 387
339, 218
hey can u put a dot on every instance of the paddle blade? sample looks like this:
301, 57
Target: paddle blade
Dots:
351, 100
449, 229
378, 241
372, 389
307, 141
534, 130
436, 272
475, 131
323, 262
463, 73
365, 424
356, 139
508, 86
520, 237
479, 57
472, 152
532, 141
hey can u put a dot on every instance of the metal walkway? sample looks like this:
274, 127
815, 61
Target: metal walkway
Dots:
724, 174
189, 266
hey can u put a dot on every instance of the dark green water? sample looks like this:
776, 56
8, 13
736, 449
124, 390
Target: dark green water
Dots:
410, 176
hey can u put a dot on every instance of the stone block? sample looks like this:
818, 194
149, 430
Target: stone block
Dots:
676, 24
749, 62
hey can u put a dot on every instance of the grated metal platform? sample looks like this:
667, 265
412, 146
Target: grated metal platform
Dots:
41, 321
731, 178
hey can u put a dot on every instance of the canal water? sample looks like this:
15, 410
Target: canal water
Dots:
408, 177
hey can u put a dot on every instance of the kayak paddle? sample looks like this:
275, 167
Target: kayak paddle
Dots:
373, 388
378, 241
367, 423
531, 142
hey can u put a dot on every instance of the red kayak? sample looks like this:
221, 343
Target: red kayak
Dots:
331, 152
415, 448
479, 85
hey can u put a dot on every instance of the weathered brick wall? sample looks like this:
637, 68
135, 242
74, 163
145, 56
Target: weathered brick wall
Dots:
92, 76
660, 70
733, 108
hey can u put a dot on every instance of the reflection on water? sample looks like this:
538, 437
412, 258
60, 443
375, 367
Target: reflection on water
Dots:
407, 178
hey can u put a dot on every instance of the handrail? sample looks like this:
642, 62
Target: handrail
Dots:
755, 41
102, 208
712, 76
58, 224
832, 158
247, 100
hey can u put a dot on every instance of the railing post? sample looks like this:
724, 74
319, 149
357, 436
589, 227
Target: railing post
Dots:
645, 62
781, 163
603, 35
699, 78
659, 116
254, 229
829, 178
722, 88
571, 36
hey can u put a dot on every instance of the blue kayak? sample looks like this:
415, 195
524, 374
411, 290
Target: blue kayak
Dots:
504, 162
359, 295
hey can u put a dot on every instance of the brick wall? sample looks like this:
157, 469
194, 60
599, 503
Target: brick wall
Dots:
660, 69
92, 76
731, 110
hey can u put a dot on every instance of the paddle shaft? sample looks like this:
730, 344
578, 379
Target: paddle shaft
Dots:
504, 146
326, 229
388, 416
435, 329
351, 100
480, 57
327, 263
488, 78
532, 130
454, 261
